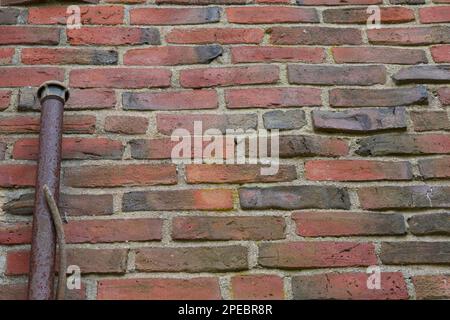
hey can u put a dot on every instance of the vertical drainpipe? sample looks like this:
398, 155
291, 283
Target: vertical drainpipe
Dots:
52, 96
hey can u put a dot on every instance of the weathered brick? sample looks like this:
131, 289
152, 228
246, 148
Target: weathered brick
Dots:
404, 197
257, 287
439, 14
172, 55
348, 286
361, 16
438, 168
116, 230
3, 147
79, 56
284, 120
317, 254
215, 35
378, 55
309, 146
122, 78
423, 74
337, 75
19, 291
159, 289
440, 54
410, 36
97, 176
315, 36
186, 199
30, 124
113, 36
80, 99
200, 2
192, 259
15, 233
167, 123
415, 252
444, 95
157, 148
272, 97
72, 148
25, 35
126, 124
430, 120
430, 224
404, 144
6, 55
272, 14
13, 76
17, 175
338, 2
170, 100
89, 15
70, 204
174, 16
228, 228
357, 170
244, 54
360, 120
294, 197
432, 286
88, 260
378, 97
342, 223
9, 15
5, 99
231, 76
245, 173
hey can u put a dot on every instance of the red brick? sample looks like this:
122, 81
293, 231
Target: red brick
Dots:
215, 35
231, 76
318, 254
30, 124
19, 291
80, 56
200, 2
17, 175
72, 148
438, 168
192, 259
5, 99
432, 286
172, 200
343, 223
172, 55
113, 36
339, 2
361, 16
26, 35
122, 78
439, 14
257, 287
307, 146
444, 95
174, 16
378, 55
6, 55
315, 36
13, 76
15, 233
89, 261
273, 97
171, 100
243, 54
228, 228
159, 289
116, 230
349, 286
272, 14
97, 176
126, 124
410, 36
357, 170
89, 15
218, 173
441, 54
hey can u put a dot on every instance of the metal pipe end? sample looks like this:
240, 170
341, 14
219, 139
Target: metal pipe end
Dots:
53, 89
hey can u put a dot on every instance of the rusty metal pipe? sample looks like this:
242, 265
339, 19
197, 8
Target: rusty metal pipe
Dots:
52, 96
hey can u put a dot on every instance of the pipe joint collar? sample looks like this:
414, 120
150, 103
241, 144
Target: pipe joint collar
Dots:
53, 89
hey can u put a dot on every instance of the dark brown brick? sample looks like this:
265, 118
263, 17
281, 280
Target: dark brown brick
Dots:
430, 224
415, 252
423, 74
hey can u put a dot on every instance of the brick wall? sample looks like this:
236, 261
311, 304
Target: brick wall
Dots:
364, 174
